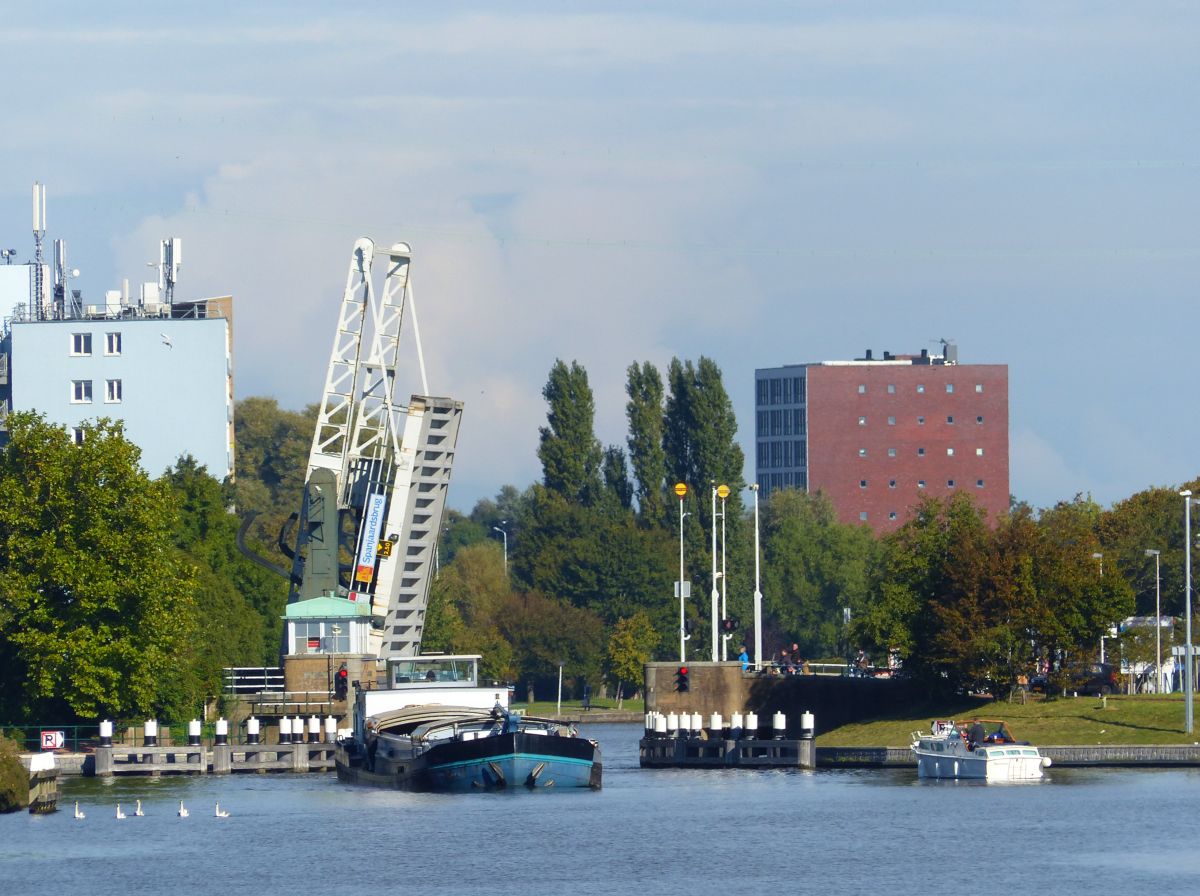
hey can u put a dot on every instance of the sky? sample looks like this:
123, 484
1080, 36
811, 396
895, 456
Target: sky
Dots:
758, 183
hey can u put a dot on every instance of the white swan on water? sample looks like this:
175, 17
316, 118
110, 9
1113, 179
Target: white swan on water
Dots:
120, 814
78, 814
219, 812
183, 813
138, 811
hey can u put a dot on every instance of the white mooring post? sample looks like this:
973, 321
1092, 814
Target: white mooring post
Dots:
751, 725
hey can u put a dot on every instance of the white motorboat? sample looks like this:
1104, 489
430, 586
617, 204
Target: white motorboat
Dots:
981, 749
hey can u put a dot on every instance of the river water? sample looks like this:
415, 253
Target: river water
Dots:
647, 832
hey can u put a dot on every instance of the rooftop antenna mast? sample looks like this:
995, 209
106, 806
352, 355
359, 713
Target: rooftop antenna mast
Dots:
170, 257
39, 233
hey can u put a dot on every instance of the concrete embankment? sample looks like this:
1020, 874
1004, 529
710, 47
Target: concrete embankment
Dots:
1111, 756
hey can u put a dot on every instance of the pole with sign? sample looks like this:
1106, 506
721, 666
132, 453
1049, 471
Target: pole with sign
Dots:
715, 593
681, 490
723, 493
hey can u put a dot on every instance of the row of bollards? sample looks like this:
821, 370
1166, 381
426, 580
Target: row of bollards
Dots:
291, 731
740, 726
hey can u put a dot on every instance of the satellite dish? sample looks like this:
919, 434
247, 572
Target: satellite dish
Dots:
74, 272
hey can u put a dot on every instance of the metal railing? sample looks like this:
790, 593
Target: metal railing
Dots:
238, 680
30, 736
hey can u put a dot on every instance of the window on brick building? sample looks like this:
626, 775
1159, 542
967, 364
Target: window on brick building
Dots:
891, 515
950, 419
949, 452
920, 483
862, 515
979, 483
891, 452
979, 419
891, 388
920, 452
920, 387
862, 483
979, 452
949, 387
862, 421
862, 452
979, 387
949, 483
891, 421
921, 421
862, 389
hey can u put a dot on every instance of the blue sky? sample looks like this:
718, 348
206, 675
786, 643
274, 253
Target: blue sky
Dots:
760, 183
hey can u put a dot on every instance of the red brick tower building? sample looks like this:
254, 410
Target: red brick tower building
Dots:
877, 435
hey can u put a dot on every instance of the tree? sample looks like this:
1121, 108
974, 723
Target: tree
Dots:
699, 440
466, 603
272, 462
815, 567
644, 411
630, 647
1081, 598
569, 450
545, 632
617, 487
240, 603
97, 607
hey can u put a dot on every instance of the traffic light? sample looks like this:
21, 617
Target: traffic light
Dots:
681, 680
341, 683
729, 625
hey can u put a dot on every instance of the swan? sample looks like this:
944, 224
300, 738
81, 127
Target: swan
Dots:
78, 814
219, 812
183, 813
138, 811
120, 814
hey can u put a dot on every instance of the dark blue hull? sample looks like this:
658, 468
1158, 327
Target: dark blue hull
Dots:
511, 761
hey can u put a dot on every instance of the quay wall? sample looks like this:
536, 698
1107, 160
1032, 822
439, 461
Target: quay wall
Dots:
725, 688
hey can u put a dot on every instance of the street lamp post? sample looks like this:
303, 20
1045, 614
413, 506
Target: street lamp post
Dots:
1150, 552
757, 590
1100, 557
681, 492
715, 593
723, 493
504, 535
1186, 494
560, 668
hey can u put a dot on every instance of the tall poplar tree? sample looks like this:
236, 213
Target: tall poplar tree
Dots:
569, 451
699, 440
644, 411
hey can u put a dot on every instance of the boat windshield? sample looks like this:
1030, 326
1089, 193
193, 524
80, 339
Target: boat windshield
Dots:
440, 670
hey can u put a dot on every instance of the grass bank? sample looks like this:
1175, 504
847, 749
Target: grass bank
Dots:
1066, 721
574, 708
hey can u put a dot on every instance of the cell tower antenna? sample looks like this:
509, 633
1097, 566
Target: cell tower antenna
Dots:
39, 233
170, 257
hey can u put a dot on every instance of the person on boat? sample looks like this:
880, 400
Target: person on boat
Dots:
975, 734
744, 658
862, 663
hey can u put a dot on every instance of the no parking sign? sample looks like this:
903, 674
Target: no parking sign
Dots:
53, 740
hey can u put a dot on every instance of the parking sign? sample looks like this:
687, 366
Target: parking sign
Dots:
53, 740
